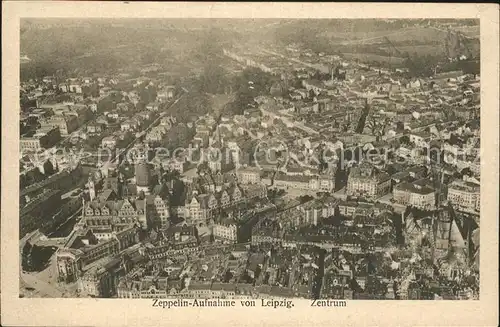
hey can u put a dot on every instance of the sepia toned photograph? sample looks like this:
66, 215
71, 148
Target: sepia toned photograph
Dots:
240, 163
230, 158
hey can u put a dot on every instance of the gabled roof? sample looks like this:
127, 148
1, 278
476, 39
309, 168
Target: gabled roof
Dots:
115, 206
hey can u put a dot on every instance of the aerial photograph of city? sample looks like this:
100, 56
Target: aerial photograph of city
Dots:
222, 159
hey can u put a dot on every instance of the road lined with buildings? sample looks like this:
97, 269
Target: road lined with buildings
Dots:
144, 132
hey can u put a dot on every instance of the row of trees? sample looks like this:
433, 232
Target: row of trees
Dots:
467, 66
39, 69
251, 83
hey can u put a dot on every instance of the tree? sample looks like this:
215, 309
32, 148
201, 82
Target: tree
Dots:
400, 126
196, 104
170, 175
311, 94
251, 83
362, 119
147, 93
48, 168
213, 80
405, 139
305, 198
91, 91
178, 136
420, 66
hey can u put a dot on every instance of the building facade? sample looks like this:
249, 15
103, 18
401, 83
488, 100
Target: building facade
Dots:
83, 249
248, 175
114, 214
